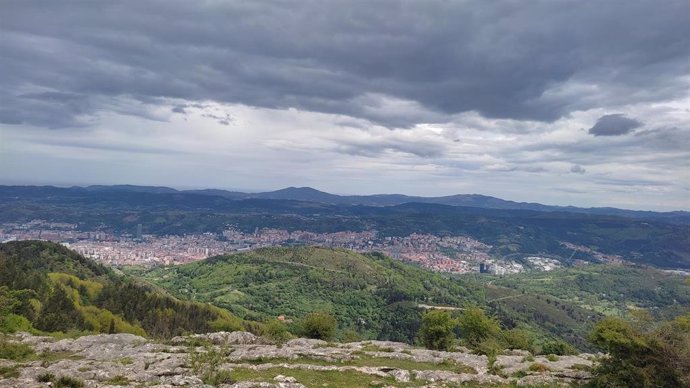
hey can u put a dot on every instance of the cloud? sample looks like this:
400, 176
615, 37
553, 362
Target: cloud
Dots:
614, 125
577, 169
395, 63
427, 97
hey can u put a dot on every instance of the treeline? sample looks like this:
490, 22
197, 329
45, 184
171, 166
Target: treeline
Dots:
46, 287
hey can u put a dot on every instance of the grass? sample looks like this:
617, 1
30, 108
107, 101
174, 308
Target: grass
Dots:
49, 357
68, 382
118, 380
45, 378
538, 367
333, 379
15, 351
582, 367
376, 362
9, 372
375, 348
125, 361
218, 377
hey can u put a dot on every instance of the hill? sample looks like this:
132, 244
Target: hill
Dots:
370, 294
45, 287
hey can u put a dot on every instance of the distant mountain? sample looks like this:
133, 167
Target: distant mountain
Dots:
658, 239
133, 188
308, 194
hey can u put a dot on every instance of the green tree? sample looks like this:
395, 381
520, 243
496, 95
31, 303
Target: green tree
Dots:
476, 327
436, 331
59, 313
636, 358
319, 325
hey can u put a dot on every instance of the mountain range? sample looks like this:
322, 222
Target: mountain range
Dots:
308, 194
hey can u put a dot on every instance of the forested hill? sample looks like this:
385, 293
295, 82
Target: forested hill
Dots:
46, 287
372, 295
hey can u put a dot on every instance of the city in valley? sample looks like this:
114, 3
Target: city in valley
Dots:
456, 254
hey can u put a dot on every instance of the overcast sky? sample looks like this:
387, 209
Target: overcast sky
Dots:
561, 102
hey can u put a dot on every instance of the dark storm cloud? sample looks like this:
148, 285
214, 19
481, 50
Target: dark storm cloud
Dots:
614, 125
503, 59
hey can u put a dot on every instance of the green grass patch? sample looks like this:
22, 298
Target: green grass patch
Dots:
9, 372
15, 351
375, 362
332, 379
118, 380
125, 361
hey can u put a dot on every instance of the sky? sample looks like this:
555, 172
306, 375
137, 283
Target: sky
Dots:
582, 103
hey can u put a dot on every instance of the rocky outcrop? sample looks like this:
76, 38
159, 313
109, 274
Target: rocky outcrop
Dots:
240, 359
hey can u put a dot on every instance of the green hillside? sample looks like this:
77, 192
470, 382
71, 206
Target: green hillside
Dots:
46, 287
613, 290
372, 294
380, 298
567, 302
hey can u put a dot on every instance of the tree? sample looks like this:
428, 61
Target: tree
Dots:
436, 331
476, 327
59, 313
638, 358
319, 325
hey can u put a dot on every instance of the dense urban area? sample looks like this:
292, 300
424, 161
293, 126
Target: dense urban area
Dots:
455, 254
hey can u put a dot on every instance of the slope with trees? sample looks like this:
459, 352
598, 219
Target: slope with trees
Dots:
46, 287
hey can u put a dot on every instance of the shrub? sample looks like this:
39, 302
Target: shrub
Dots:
45, 378
518, 339
539, 368
219, 377
319, 326
436, 331
68, 382
276, 331
558, 348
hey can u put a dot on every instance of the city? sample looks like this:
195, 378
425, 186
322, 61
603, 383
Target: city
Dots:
453, 254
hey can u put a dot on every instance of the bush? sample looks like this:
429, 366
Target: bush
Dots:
45, 378
276, 331
538, 367
518, 339
558, 348
319, 326
436, 331
68, 382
